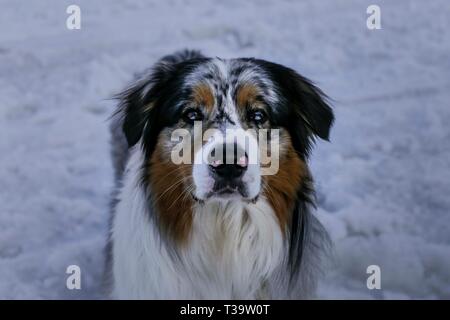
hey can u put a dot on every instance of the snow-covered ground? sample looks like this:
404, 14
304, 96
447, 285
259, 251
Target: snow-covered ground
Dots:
383, 182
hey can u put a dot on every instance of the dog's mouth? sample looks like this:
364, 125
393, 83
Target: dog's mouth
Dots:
228, 190
227, 193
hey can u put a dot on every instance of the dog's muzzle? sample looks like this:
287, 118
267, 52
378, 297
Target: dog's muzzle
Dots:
228, 170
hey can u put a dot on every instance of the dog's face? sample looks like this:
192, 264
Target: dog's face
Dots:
218, 108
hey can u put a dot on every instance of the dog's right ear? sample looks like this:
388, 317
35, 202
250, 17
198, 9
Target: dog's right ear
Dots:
138, 103
132, 110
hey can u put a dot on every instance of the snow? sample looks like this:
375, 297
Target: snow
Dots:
382, 183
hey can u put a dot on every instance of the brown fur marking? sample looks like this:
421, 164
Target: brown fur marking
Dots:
246, 95
203, 96
281, 189
170, 187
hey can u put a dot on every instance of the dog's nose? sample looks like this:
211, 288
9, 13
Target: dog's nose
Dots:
229, 171
233, 164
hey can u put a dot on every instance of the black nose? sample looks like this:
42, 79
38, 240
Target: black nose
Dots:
233, 164
228, 171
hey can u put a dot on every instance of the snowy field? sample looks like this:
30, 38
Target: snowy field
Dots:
383, 182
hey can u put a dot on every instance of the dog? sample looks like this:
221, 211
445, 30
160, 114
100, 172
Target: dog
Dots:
215, 230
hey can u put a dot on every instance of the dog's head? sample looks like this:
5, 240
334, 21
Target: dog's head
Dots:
199, 121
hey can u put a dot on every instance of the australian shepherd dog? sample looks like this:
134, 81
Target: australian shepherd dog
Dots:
197, 215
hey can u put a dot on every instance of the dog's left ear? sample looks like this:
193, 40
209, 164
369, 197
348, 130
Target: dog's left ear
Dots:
312, 106
302, 97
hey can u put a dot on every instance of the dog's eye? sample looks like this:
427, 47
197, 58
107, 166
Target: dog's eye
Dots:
191, 115
257, 116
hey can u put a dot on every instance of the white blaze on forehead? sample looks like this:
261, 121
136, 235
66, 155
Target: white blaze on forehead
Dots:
228, 103
223, 66
230, 110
